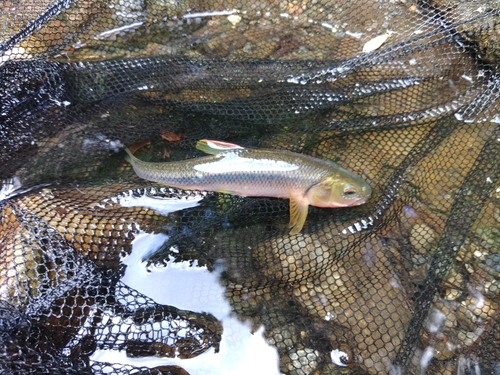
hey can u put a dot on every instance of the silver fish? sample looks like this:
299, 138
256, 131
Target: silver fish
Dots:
233, 169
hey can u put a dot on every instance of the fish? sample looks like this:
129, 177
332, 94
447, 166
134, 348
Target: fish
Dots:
248, 172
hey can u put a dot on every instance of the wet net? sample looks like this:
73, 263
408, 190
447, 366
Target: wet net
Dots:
405, 94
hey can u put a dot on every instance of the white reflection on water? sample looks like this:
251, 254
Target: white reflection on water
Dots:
161, 199
194, 288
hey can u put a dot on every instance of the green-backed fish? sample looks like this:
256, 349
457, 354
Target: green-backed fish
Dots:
233, 169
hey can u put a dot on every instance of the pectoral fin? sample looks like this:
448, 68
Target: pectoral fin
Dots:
298, 213
216, 147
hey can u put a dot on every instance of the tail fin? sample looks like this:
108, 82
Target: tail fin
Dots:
129, 157
216, 147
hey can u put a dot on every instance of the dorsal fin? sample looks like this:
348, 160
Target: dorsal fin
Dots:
216, 147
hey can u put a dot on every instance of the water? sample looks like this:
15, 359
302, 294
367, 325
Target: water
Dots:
195, 288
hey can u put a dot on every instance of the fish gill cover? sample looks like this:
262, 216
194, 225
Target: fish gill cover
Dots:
403, 93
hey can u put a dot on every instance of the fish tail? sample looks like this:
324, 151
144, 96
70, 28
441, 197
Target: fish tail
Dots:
129, 157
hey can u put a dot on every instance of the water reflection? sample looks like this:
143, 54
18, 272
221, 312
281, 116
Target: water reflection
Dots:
191, 287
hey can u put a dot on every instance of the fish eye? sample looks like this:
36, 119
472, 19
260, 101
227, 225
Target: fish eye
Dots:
350, 191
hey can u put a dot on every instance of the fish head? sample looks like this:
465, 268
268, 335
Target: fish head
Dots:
339, 190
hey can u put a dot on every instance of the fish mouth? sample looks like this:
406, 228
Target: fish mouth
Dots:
356, 202
347, 204
361, 201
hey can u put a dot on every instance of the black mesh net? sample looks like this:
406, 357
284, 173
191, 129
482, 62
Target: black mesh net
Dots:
404, 94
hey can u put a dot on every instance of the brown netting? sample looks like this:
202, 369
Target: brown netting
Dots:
405, 94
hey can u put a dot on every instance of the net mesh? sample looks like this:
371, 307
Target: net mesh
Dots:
405, 94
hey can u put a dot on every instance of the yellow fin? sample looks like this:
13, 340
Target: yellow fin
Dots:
298, 213
216, 147
228, 192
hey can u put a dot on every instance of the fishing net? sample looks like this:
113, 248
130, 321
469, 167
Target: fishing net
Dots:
402, 93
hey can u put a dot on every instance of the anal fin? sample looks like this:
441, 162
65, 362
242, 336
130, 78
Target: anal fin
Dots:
298, 213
